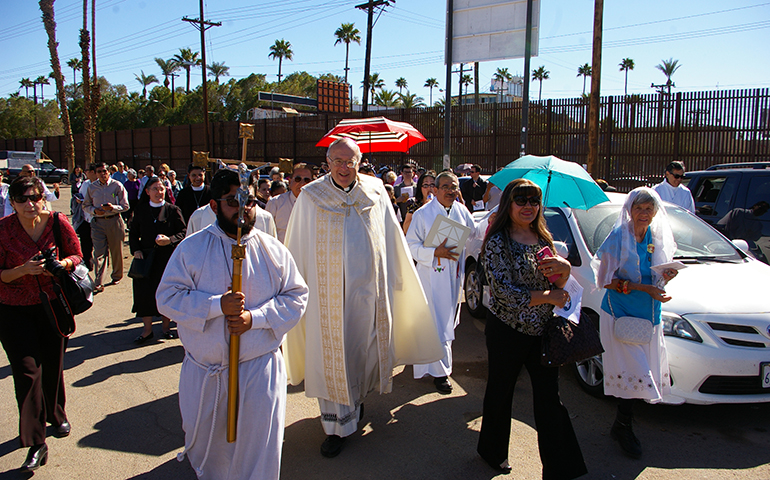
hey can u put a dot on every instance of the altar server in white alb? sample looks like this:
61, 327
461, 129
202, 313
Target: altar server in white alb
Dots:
367, 312
440, 271
195, 292
671, 189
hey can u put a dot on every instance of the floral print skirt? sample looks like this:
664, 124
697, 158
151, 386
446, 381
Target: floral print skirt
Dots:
634, 371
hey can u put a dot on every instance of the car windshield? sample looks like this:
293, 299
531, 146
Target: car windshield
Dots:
694, 238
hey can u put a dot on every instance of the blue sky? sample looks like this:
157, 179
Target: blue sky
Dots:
717, 43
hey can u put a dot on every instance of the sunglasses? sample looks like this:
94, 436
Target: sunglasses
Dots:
301, 179
676, 175
521, 200
233, 202
28, 198
101, 171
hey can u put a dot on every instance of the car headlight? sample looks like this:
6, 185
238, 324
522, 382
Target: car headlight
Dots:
676, 326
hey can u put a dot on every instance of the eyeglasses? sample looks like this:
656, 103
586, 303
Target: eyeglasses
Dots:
344, 163
521, 200
428, 185
28, 198
101, 171
302, 179
676, 175
233, 202
449, 188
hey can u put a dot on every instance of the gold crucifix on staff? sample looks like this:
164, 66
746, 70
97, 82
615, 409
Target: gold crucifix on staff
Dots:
238, 254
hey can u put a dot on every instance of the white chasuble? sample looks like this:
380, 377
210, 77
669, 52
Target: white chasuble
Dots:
367, 312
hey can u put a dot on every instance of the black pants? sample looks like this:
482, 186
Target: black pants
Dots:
508, 351
36, 355
86, 244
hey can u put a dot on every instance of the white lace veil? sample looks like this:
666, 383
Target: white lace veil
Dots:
617, 257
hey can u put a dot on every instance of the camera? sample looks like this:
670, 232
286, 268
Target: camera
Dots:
52, 265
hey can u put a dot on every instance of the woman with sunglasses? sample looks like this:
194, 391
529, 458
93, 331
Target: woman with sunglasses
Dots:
426, 190
35, 351
156, 229
521, 303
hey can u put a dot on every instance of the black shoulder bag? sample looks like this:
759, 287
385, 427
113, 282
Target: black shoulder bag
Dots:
76, 285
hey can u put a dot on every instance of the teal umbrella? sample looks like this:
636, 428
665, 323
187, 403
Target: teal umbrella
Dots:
564, 184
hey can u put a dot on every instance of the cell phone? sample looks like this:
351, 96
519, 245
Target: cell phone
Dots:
546, 252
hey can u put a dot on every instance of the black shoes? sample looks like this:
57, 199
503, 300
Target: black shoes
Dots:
332, 446
622, 432
63, 430
36, 458
503, 467
170, 335
442, 385
140, 339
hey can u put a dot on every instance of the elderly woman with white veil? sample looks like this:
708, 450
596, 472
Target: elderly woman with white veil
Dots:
641, 239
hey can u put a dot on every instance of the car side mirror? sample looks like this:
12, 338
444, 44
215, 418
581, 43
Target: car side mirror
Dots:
742, 245
561, 249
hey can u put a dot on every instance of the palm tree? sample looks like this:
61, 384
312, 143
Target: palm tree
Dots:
386, 98
625, 65
431, 83
146, 80
345, 34
186, 58
411, 100
502, 75
540, 74
42, 80
375, 82
467, 80
280, 49
401, 84
49, 22
75, 64
584, 71
167, 68
668, 67
218, 69
26, 83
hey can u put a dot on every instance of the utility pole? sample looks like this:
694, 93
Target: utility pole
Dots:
448, 99
596, 74
525, 92
369, 7
203, 25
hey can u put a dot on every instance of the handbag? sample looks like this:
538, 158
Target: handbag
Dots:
76, 285
567, 342
141, 267
58, 311
632, 330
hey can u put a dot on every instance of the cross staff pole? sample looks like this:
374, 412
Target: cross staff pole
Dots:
238, 254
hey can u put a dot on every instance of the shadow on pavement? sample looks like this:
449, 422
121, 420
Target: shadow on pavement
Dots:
153, 428
155, 360
170, 469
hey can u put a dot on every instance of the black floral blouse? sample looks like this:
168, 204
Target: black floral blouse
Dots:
511, 269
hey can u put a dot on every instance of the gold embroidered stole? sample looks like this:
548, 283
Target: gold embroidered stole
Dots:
333, 205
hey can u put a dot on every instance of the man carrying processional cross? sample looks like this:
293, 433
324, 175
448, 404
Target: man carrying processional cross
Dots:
196, 291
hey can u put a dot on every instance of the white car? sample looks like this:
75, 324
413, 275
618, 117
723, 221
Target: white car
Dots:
717, 324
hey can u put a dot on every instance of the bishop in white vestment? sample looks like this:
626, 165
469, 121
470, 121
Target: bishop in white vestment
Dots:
195, 293
367, 312
441, 270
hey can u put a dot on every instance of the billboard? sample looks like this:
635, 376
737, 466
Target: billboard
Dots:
333, 96
486, 30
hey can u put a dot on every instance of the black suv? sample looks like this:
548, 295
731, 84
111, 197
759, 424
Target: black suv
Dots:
46, 171
734, 198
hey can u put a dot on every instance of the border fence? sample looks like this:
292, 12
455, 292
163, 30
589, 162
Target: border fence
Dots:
638, 135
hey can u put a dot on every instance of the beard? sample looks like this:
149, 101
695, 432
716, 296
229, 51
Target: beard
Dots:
230, 225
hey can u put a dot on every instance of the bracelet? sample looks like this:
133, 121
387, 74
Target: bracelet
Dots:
622, 286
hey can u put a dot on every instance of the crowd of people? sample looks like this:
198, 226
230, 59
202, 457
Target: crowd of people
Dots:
310, 310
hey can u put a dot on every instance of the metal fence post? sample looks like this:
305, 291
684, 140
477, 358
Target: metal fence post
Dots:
677, 123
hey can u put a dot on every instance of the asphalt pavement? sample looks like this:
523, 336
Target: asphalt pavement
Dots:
123, 407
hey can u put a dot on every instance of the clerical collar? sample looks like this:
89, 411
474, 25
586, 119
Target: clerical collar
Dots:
198, 189
448, 209
346, 190
156, 205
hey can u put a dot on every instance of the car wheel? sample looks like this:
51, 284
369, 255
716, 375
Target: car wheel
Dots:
474, 291
590, 372
64, 179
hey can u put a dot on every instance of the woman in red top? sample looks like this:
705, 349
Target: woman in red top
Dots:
34, 350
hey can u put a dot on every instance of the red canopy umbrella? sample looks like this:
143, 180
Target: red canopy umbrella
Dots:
375, 134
